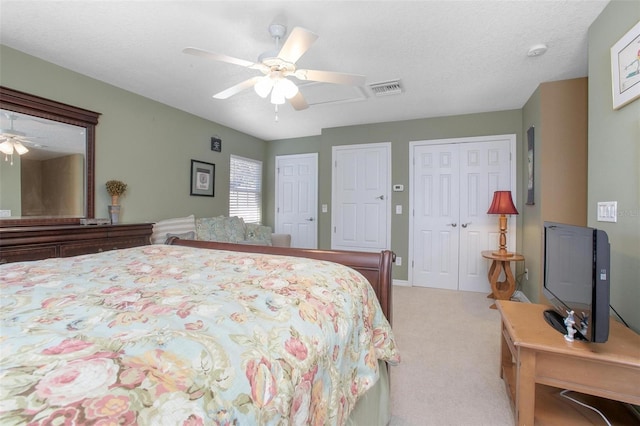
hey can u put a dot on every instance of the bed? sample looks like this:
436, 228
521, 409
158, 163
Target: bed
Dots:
196, 333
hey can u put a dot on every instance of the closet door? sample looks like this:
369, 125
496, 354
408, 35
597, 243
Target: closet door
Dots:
436, 216
452, 187
484, 169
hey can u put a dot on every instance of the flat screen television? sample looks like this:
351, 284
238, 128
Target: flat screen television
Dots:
576, 278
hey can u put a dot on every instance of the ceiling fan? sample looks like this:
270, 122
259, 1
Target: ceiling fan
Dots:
279, 64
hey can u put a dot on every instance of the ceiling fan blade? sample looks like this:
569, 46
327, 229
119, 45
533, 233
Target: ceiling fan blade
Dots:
227, 93
298, 42
220, 57
331, 77
298, 102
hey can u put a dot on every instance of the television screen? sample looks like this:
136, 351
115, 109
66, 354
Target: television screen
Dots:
576, 278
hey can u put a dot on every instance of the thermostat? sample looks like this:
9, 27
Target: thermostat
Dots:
398, 188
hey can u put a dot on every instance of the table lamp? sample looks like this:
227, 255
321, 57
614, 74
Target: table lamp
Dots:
502, 204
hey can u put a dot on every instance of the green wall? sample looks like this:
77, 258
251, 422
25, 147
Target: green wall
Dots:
400, 134
142, 142
531, 235
614, 159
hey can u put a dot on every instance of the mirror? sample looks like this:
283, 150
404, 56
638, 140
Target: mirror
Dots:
46, 161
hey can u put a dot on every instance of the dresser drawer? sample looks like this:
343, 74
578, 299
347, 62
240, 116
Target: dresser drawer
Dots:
25, 253
97, 246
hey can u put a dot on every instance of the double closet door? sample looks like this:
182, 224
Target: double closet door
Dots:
453, 182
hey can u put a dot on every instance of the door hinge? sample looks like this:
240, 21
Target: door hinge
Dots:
334, 229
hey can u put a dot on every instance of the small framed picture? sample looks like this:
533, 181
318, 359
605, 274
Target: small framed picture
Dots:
216, 144
625, 68
202, 178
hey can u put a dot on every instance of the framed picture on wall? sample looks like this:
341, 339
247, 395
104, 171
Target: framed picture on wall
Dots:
530, 166
625, 68
202, 178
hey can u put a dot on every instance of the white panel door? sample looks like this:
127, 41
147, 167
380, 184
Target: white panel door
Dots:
453, 185
297, 199
435, 216
360, 197
484, 168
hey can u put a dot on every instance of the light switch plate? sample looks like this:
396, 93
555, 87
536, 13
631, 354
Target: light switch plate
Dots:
607, 211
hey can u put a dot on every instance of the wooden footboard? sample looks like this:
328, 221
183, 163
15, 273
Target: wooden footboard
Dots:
375, 267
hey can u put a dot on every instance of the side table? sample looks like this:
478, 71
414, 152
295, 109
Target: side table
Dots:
501, 290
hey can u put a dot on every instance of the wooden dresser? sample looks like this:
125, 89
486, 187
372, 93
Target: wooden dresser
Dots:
41, 242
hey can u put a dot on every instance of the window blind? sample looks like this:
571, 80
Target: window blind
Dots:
245, 189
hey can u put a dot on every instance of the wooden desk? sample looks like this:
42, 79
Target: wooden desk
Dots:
501, 290
534, 353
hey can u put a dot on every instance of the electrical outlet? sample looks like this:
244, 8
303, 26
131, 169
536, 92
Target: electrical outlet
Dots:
398, 261
526, 274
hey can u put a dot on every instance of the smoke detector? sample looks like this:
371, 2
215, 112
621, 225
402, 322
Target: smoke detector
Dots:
537, 50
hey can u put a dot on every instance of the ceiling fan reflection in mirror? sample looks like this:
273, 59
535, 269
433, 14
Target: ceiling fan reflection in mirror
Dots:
279, 64
12, 141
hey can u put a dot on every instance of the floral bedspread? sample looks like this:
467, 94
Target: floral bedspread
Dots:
168, 335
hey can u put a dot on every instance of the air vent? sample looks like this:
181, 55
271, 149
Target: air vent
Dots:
386, 88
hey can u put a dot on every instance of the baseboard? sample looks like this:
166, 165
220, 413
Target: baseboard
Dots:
401, 283
519, 296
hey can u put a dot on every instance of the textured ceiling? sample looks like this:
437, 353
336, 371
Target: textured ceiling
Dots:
452, 57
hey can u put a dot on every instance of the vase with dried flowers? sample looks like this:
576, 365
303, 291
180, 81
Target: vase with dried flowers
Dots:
115, 188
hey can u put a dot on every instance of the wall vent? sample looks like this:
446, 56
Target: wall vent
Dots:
386, 88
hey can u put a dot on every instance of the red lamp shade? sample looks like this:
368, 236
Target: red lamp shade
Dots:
502, 203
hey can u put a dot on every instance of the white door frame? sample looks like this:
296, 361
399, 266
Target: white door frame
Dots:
387, 192
511, 236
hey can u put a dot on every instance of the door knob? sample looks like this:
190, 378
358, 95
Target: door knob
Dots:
453, 225
464, 225
380, 197
310, 219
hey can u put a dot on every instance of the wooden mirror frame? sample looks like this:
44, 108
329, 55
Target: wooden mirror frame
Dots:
36, 106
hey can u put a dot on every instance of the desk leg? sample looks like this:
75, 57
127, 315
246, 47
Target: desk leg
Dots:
525, 387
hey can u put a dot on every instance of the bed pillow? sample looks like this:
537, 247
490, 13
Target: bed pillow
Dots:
258, 234
220, 228
178, 225
191, 235
235, 228
211, 228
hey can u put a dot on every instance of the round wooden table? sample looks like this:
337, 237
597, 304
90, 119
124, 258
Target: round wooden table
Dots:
501, 290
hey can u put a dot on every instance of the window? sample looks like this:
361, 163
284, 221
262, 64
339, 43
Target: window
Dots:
245, 189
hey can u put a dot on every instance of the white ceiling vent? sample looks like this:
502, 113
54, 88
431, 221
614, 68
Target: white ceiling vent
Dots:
386, 88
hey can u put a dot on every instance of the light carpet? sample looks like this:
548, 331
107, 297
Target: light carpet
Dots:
450, 347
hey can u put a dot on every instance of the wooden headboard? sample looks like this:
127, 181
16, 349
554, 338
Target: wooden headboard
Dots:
375, 267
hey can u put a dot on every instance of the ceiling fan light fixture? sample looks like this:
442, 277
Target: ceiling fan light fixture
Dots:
6, 147
20, 149
288, 88
277, 97
264, 86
